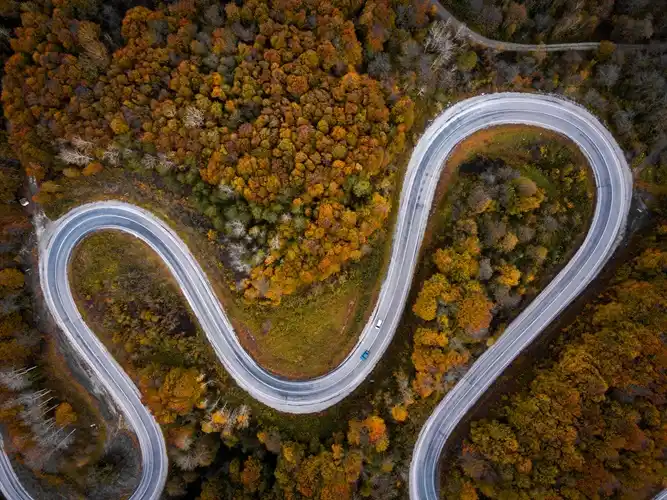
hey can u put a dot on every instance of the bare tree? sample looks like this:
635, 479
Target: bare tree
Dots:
66, 441
488, 177
214, 16
504, 298
26, 399
537, 253
490, 18
206, 449
236, 229
447, 79
493, 231
243, 417
226, 189
525, 233
608, 74
567, 25
74, 157
275, 243
632, 30
380, 66
441, 41
550, 224
194, 117
508, 173
186, 461
16, 380
149, 162
623, 121
478, 200
5, 35
632, 7
36, 414
82, 145
485, 270
88, 36
544, 22
35, 458
506, 72
237, 254
112, 155
231, 422
286, 218
404, 388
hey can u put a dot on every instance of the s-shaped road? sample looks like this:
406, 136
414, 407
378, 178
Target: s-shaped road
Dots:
614, 188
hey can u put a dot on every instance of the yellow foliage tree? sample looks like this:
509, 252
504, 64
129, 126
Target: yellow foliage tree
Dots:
456, 266
430, 337
436, 287
400, 413
65, 415
474, 312
509, 275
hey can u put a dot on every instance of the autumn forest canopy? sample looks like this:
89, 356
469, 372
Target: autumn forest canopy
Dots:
264, 110
273, 136
592, 422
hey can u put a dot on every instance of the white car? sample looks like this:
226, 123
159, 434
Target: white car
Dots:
378, 323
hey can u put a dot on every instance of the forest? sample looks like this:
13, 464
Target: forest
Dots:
591, 423
516, 211
293, 193
285, 133
216, 442
282, 128
283, 144
537, 21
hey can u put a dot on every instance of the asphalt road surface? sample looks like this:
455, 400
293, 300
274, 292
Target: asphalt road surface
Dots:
614, 187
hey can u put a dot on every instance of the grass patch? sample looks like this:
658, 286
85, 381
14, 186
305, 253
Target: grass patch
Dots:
512, 143
310, 334
519, 145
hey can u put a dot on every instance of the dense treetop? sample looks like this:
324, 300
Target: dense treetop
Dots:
284, 123
507, 223
591, 424
263, 108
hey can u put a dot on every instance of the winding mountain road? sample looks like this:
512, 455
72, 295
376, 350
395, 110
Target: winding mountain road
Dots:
614, 187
